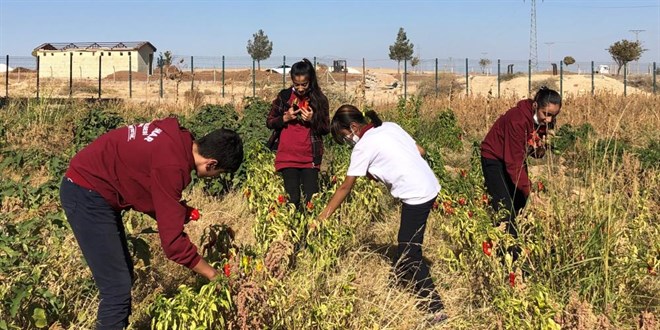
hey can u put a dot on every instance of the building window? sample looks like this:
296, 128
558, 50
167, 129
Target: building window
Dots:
44, 53
52, 54
121, 53
109, 53
101, 53
81, 54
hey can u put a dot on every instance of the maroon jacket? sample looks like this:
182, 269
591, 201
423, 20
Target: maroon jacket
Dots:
509, 140
299, 145
144, 167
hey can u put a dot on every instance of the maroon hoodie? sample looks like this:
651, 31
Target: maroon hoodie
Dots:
508, 142
144, 167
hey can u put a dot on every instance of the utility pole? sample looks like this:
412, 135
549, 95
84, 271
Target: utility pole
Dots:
533, 48
637, 32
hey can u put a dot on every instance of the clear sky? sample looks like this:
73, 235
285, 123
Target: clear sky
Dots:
345, 29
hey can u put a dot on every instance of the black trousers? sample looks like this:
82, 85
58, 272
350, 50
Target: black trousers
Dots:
99, 230
308, 178
409, 265
504, 195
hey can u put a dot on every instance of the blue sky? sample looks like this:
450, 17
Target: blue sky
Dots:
347, 29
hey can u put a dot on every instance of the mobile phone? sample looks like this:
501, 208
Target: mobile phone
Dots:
295, 107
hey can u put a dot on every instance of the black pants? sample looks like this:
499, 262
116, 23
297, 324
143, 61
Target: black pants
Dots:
504, 195
409, 265
294, 178
99, 230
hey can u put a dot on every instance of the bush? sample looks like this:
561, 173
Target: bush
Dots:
96, 122
650, 155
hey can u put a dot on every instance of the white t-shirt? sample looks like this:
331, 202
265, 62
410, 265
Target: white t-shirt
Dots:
391, 156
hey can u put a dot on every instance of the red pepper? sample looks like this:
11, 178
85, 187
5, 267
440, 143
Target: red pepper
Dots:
227, 270
462, 201
435, 205
281, 199
540, 186
484, 198
310, 206
512, 279
463, 173
487, 247
192, 214
470, 214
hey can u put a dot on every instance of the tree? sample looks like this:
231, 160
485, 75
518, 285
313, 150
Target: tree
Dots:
402, 49
259, 47
568, 60
164, 59
414, 62
483, 63
625, 51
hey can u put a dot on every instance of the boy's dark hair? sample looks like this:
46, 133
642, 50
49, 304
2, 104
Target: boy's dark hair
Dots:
223, 145
545, 96
347, 114
317, 99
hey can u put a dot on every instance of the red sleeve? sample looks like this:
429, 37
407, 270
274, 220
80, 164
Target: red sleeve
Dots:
166, 187
276, 115
515, 151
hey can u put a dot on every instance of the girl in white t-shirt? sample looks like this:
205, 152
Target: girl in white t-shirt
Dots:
386, 153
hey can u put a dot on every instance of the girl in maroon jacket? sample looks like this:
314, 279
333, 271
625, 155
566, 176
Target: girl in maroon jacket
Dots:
300, 117
514, 136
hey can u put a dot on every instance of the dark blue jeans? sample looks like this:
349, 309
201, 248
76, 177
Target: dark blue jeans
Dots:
99, 230
410, 266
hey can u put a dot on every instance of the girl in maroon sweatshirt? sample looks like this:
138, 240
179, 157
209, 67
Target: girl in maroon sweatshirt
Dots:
514, 136
143, 167
299, 117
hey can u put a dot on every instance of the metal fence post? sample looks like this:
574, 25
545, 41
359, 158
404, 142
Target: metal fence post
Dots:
364, 78
529, 77
593, 86
561, 78
315, 62
284, 72
498, 78
254, 81
655, 88
130, 76
100, 63
625, 79
436, 77
467, 78
345, 73
161, 79
192, 76
405, 79
70, 74
7, 76
38, 76
223, 75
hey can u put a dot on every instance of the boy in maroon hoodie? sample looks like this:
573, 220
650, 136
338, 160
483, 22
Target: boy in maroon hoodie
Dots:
144, 167
515, 135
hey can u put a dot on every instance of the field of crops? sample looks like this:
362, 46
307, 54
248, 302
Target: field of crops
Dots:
591, 247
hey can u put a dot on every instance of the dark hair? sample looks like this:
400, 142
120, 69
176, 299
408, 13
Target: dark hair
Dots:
546, 96
317, 99
347, 114
223, 145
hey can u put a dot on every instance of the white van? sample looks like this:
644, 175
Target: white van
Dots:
603, 69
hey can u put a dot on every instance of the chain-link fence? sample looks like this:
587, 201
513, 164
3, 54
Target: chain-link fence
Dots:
183, 77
